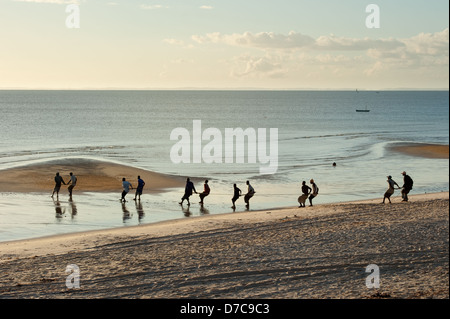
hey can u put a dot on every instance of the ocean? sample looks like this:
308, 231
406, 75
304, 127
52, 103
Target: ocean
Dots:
315, 129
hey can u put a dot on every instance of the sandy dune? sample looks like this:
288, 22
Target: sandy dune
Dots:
92, 175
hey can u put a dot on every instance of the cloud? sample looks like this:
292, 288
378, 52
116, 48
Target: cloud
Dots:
178, 43
294, 51
206, 7
422, 51
182, 61
333, 43
49, 1
263, 40
152, 6
266, 66
294, 40
305, 60
432, 44
174, 42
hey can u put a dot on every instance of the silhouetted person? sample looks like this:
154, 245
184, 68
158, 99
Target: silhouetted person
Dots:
58, 181
250, 193
314, 192
306, 190
72, 183
188, 191
139, 188
237, 193
206, 191
407, 186
390, 190
126, 188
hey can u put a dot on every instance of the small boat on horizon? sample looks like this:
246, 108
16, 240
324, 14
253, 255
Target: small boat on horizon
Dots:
363, 110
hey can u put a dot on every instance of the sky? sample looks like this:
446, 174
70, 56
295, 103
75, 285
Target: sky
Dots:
224, 44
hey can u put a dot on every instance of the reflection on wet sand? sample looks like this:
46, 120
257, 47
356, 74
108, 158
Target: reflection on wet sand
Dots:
186, 211
73, 208
126, 213
61, 211
203, 210
58, 209
139, 210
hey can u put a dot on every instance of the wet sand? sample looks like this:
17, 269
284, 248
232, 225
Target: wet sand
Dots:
92, 175
424, 150
312, 252
101, 176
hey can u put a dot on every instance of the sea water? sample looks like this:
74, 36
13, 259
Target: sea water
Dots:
315, 129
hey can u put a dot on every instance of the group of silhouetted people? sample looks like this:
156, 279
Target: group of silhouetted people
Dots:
406, 188
73, 181
238, 193
126, 186
307, 192
190, 189
59, 180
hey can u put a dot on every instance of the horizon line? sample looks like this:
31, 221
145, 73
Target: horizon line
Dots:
221, 89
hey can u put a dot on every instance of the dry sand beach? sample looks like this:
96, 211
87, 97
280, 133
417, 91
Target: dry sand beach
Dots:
313, 252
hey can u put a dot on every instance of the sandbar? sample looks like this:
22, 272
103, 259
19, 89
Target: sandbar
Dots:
93, 176
423, 150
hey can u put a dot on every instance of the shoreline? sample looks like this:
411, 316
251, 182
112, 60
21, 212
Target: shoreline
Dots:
104, 176
256, 254
101, 178
126, 230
